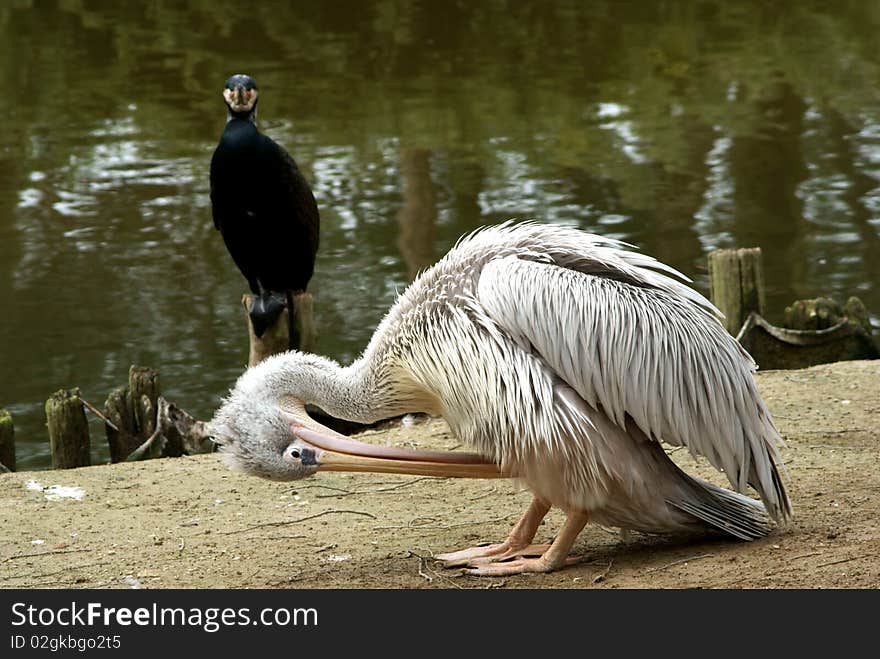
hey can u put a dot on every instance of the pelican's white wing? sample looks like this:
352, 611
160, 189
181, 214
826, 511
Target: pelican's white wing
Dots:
631, 340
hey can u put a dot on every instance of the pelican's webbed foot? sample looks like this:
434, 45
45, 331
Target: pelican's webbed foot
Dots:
490, 554
516, 554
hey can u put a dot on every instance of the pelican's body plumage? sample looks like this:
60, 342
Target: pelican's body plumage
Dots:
565, 359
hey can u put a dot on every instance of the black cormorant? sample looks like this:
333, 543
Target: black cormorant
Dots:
263, 207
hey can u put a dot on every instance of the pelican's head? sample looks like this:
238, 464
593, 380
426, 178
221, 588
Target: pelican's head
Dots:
256, 437
241, 94
263, 429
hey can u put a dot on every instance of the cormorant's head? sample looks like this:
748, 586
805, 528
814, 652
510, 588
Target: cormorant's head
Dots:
240, 93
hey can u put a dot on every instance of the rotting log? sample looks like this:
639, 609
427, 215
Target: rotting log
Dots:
143, 387
122, 441
132, 410
177, 433
736, 284
277, 337
186, 435
7, 442
68, 430
823, 312
817, 331
782, 348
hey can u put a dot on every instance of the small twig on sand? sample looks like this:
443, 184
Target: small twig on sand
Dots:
846, 560
291, 579
71, 568
35, 575
345, 493
44, 553
678, 562
604, 573
424, 570
489, 492
320, 485
301, 519
422, 566
812, 553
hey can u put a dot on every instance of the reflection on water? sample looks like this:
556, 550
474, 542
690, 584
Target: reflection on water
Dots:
679, 127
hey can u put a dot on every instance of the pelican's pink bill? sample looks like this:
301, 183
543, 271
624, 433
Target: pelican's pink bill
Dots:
335, 452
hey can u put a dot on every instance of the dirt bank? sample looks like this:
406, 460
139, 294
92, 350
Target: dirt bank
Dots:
188, 522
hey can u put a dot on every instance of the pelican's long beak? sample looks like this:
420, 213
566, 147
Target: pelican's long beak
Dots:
336, 452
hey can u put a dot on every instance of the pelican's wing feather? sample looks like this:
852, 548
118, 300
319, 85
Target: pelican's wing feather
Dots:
633, 341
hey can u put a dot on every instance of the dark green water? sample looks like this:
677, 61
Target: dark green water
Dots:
681, 127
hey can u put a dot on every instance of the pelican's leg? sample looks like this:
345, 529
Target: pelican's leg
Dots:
518, 543
552, 559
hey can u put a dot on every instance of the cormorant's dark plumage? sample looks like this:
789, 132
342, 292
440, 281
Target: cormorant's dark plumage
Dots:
263, 207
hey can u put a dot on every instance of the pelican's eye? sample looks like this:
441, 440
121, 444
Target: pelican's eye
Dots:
302, 455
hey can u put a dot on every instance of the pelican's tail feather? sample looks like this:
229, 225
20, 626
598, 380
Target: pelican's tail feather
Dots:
733, 513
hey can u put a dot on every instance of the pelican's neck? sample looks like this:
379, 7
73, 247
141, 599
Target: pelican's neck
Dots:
343, 392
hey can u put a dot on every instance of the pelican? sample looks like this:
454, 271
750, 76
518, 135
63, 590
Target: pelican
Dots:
565, 360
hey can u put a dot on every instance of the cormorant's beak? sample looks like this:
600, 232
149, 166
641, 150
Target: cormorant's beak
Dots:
239, 98
336, 452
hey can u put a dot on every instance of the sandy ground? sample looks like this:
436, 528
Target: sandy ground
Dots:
190, 523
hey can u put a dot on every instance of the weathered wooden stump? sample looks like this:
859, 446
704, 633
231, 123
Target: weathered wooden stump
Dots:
277, 338
177, 433
823, 331
7, 442
782, 348
823, 312
143, 386
132, 410
736, 284
68, 430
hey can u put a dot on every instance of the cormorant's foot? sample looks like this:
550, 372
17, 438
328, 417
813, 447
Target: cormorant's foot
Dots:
265, 310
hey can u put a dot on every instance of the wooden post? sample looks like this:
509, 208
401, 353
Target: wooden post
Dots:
143, 396
276, 338
123, 441
304, 322
736, 284
7, 442
68, 430
133, 410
